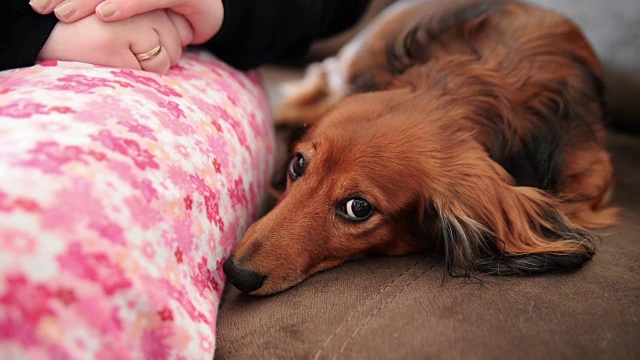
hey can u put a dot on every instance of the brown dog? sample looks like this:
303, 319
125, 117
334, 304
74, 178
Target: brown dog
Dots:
474, 128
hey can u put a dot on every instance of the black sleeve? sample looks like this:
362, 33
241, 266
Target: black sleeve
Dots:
24, 33
255, 32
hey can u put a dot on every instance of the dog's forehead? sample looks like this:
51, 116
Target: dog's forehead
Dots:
340, 145
345, 162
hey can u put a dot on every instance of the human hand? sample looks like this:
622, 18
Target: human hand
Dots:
205, 16
116, 44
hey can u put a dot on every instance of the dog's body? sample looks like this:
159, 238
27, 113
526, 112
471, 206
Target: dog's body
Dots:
472, 127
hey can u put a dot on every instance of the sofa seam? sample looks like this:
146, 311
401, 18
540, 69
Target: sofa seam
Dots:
374, 313
384, 288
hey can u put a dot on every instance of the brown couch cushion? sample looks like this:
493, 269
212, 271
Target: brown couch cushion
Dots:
405, 308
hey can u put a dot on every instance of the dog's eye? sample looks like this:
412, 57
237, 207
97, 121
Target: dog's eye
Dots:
356, 209
297, 166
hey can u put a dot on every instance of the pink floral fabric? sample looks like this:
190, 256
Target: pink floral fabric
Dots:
121, 194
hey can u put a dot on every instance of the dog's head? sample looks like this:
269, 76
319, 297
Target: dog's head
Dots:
343, 199
379, 175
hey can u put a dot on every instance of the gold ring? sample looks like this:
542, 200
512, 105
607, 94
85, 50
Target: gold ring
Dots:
149, 54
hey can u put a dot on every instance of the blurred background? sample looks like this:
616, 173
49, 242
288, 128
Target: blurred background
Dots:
612, 27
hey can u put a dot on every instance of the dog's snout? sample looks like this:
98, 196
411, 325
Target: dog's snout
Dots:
244, 279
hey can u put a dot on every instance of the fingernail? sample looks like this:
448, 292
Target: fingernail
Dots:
106, 9
65, 10
40, 5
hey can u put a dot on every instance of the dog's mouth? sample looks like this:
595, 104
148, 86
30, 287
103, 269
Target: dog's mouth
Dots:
255, 282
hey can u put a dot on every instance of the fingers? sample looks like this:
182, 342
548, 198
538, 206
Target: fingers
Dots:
73, 10
169, 36
164, 34
158, 64
182, 26
114, 10
44, 6
152, 36
204, 17
145, 51
89, 41
66, 10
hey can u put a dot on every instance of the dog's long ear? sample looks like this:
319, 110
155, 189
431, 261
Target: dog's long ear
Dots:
488, 224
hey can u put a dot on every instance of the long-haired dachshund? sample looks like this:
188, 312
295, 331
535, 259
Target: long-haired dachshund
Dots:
470, 127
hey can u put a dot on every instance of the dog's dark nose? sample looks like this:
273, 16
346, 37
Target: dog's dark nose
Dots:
244, 279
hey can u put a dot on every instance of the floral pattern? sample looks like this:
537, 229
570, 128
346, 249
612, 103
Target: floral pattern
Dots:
121, 194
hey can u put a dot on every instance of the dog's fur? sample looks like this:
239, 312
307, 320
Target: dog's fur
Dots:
472, 127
